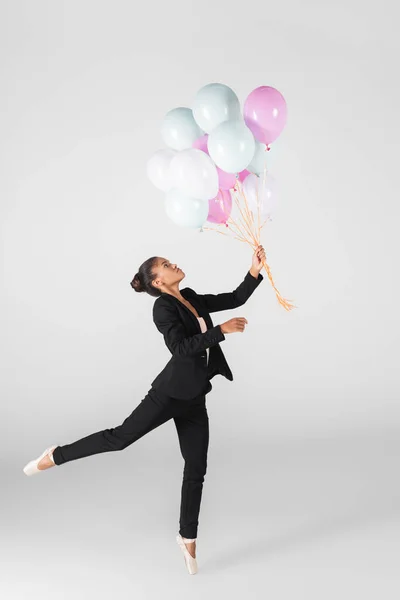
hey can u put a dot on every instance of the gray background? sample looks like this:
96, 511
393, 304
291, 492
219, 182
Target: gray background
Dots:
301, 497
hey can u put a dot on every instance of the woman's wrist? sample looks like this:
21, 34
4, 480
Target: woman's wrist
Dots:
254, 273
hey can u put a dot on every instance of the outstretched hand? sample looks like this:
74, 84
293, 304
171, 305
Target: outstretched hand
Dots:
257, 260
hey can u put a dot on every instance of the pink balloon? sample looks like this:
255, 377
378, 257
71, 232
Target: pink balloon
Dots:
265, 113
219, 208
226, 181
243, 175
201, 143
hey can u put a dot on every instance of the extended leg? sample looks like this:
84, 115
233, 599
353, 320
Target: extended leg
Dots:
152, 411
193, 431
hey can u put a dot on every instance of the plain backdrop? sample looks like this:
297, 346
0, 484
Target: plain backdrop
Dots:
84, 88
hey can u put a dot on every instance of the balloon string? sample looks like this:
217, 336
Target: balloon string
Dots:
230, 223
287, 304
247, 226
243, 231
222, 233
239, 190
238, 206
248, 235
248, 216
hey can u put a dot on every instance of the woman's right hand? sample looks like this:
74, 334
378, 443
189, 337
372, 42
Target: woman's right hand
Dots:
233, 325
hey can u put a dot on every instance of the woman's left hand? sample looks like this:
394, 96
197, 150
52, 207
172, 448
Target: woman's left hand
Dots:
258, 258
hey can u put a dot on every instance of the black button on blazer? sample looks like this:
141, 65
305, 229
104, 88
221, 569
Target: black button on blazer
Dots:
187, 374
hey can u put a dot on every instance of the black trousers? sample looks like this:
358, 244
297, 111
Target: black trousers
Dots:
191, 421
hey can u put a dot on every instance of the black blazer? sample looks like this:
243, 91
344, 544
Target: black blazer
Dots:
187, 374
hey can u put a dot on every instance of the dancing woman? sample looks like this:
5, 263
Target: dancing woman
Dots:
179, 391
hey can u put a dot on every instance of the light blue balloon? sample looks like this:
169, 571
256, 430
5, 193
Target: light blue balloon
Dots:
184, 210
259, 161
213, 104
179, 129
231, 145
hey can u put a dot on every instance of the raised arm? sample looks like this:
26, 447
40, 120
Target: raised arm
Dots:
228, 300
168, 322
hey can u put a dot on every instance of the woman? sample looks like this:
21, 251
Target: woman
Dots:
179, 391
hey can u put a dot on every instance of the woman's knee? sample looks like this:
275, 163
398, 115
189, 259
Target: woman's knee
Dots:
195, 469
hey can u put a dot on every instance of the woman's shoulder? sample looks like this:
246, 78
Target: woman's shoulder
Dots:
189, 291
160, 300
167, 301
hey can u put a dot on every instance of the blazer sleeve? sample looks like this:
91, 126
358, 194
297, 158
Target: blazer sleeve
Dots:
229, 300
168, 322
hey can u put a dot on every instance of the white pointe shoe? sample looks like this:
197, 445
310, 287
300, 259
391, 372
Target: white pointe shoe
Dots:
32, 467
191, 562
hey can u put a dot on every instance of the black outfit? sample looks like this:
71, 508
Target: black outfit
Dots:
187, 374
178, 392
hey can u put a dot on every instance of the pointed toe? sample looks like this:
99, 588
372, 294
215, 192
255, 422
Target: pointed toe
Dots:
31, 468
191, 563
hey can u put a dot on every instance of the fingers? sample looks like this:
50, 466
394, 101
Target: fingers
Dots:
260, 252
236, 324
241, 322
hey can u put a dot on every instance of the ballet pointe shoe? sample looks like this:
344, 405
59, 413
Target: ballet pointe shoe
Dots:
191, 563
32, 467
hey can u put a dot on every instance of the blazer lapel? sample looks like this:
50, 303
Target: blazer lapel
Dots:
193, 302
188, 295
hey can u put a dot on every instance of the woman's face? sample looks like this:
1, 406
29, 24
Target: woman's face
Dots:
166, 273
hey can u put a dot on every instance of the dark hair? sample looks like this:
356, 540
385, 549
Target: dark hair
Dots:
143, 278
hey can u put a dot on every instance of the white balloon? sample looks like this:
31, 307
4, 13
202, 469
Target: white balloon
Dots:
179, 129
158, 168
195, 174
262, 192
259, 159
184, 210
215, 103
231, 146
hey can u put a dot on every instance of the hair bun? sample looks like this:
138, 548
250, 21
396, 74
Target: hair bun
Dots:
136, 283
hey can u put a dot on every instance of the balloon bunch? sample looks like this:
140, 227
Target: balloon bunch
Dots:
214, 156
